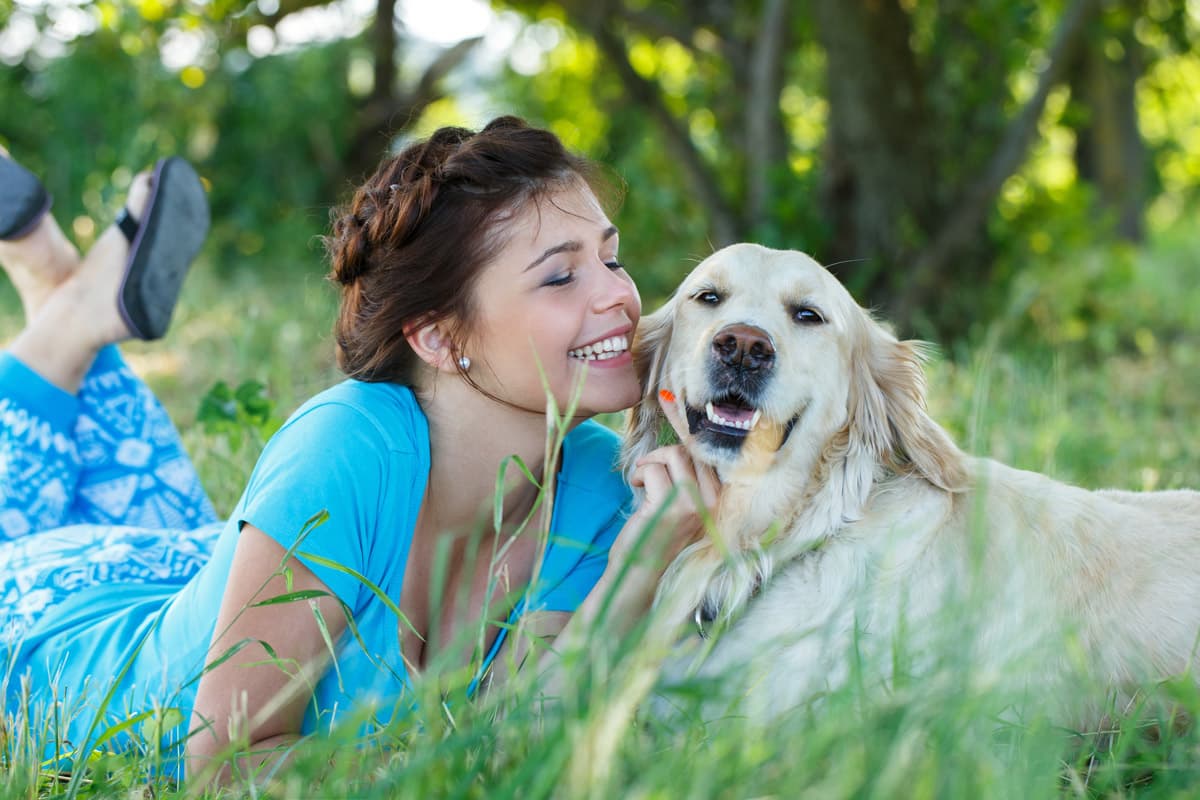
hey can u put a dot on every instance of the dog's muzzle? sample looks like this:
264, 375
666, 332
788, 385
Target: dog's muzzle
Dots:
741, 366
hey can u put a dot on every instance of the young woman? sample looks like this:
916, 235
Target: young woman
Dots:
478, 273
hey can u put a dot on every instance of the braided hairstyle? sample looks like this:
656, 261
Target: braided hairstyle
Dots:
411, 243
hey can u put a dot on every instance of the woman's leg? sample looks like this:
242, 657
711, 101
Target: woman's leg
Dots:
39, 466
38, 573
107, 455
79, 316
134, 470
82, 439
37, 259
39, 463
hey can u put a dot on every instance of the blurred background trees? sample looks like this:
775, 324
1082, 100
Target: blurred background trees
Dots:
955, 158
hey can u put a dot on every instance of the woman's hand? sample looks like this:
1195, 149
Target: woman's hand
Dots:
680, 500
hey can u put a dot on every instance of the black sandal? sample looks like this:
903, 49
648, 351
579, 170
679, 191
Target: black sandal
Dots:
162, 247
23, 200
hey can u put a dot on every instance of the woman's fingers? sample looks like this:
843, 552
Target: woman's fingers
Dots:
654, 478
674, 458
681, 467
675, 413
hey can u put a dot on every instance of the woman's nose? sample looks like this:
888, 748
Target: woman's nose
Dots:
616, 289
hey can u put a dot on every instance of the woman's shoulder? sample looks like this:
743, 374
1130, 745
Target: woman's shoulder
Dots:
386, 414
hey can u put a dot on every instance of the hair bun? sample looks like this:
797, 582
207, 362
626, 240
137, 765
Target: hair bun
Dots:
349, 248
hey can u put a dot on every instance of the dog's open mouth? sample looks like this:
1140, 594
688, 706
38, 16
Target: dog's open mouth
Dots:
730, 415
728, 419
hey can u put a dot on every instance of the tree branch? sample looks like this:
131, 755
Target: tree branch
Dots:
658, 26
725, 228
980, 196
442, 66
376, 119
285, 8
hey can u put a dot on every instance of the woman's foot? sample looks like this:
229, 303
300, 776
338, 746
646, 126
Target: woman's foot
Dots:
80, 315
92, 290
38, 261
128, 282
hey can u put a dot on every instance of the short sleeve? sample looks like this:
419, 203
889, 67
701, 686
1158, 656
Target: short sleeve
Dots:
329, 458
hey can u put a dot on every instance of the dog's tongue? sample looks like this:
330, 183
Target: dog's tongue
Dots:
734, 413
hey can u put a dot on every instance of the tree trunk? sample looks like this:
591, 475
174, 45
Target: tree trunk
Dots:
765, 148
879, 172
1109, 151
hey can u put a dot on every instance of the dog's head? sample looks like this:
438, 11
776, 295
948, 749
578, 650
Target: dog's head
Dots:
766, 346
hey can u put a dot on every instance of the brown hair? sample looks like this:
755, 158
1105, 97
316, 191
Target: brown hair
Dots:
410, 245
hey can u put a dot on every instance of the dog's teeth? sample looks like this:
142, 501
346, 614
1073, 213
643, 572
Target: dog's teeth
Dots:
712, 415
754, 420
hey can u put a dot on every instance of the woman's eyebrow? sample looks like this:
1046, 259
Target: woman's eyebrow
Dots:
573, 246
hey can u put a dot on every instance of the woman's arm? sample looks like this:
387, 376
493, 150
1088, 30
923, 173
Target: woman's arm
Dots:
679, 496
256, 700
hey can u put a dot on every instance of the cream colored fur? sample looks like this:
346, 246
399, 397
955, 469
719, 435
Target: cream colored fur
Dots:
868, 523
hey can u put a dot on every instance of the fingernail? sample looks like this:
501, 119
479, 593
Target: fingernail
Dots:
667, 395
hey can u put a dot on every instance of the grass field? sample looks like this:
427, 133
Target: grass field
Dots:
1090, 378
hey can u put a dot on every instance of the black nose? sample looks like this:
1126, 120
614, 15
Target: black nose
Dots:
744, 346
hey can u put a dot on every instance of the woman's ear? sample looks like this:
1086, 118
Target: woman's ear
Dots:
650, 346
887, 410
433, 345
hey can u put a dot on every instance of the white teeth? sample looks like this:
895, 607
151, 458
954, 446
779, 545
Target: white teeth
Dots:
602, 350
745, 425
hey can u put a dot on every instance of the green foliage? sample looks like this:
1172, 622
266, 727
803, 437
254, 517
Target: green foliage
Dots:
238, 413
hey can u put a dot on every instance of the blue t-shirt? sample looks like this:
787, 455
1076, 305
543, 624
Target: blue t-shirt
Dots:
359, 451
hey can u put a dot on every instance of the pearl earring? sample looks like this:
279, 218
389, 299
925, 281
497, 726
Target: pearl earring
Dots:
464, 363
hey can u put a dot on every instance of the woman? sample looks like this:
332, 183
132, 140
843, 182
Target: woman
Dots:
478, 273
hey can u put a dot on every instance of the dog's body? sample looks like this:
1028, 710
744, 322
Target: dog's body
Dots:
850, 523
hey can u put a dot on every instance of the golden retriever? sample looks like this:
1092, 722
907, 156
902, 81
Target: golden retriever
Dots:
850, 522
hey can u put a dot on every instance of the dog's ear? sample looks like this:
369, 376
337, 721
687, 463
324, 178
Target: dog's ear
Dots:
650, 346
887, 409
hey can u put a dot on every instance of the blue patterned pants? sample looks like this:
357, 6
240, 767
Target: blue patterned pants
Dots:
94, 488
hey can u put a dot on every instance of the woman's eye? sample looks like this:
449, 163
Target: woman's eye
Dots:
561, 280
709, 298
614, 265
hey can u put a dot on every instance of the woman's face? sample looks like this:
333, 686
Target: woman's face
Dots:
557, 297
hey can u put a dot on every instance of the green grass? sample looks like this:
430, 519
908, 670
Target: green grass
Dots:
1091, 378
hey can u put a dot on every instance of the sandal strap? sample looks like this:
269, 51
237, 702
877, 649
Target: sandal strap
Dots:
128, 225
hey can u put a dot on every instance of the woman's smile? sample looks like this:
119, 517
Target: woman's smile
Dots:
609, 350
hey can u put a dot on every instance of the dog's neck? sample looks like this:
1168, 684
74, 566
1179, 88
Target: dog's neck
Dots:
767, 519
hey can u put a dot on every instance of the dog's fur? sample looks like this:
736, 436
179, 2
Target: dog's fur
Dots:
849, 516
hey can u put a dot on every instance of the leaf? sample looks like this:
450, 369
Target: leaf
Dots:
291, 597
358, 576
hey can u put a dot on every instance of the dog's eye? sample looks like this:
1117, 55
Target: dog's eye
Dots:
807, 316
709, 298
